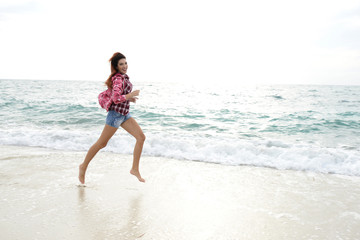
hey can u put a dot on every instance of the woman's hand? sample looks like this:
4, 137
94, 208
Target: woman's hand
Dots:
133, 99
132, 95
135, 93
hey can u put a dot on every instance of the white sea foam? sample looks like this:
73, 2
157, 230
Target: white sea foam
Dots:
263, 153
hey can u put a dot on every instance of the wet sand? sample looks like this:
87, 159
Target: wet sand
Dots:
41, 199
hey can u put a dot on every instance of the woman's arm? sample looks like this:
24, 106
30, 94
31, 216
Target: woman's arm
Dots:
118, 89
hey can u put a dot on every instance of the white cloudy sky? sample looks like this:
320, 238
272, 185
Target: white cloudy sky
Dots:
258, 41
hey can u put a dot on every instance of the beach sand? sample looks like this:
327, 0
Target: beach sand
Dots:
41, 199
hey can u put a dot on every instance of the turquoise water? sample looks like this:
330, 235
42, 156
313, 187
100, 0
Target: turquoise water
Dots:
301, 127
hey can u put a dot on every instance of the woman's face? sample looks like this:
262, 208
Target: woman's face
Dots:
122, 66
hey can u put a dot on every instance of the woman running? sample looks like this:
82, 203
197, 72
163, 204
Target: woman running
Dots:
118, 107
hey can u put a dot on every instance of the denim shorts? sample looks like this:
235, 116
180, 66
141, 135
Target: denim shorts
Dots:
115, 119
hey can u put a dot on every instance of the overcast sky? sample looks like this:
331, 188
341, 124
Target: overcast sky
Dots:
258, 41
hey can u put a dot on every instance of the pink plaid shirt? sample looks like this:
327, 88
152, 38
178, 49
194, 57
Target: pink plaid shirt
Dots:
121, 87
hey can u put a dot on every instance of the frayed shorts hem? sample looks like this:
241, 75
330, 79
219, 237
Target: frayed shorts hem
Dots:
115, 119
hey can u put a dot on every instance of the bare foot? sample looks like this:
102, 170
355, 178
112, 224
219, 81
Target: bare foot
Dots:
136, 173
82, 171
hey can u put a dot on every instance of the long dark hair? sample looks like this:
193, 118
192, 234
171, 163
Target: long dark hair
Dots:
113, 66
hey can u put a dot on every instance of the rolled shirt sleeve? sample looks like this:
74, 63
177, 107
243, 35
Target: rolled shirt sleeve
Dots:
118, 89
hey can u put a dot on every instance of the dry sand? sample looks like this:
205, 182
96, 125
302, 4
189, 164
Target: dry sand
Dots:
41, 199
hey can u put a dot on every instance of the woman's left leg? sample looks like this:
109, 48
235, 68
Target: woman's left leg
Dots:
105, 136
132, 127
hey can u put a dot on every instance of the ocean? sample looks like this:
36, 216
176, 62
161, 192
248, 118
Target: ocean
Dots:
297, 127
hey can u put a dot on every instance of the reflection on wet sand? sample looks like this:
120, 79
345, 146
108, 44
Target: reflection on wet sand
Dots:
106, 218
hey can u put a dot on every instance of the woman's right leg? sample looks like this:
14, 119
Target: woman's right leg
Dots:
106, 134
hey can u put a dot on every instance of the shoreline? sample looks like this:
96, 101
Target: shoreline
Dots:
45, 149
180, 199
